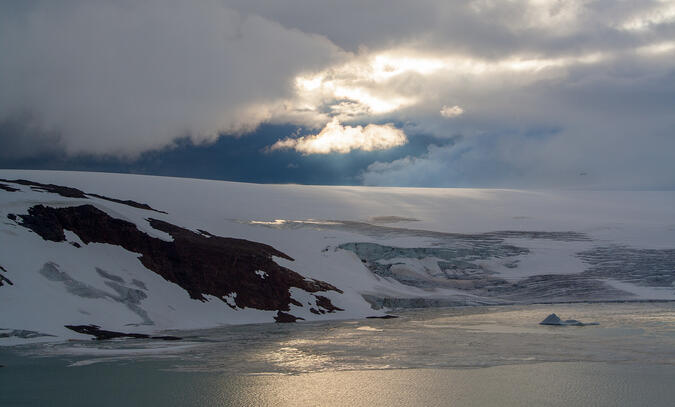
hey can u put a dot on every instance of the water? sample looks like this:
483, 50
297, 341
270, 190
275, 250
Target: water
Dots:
450, 357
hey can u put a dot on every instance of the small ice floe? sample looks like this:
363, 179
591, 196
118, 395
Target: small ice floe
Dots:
553, 319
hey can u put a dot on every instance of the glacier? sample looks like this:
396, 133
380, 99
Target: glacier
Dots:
146, 254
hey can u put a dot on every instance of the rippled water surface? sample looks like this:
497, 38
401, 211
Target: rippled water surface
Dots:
462, 356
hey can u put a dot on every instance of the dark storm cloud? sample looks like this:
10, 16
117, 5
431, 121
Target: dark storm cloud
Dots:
124, 76
21, 137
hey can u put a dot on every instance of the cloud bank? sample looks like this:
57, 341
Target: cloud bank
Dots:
121, 77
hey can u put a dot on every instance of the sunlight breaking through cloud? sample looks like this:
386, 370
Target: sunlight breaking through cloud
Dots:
336, 138
521, 89
383, 83
451, 111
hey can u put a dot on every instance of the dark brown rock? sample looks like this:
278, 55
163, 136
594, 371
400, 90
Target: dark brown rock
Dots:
102, 334
69, 192
44, 223
167, 338
8, 188
3, 278
202, 265
284, 317
127, 202
325, 303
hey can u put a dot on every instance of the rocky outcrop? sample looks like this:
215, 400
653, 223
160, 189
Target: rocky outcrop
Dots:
127, 202
102, 334
69, 192
7, 188
285, 317
66, 192
325, 304
3, 278
201, 264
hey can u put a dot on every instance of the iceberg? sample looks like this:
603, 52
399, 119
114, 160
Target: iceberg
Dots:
553, 319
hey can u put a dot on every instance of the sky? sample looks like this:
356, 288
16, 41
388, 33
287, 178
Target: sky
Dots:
478, 93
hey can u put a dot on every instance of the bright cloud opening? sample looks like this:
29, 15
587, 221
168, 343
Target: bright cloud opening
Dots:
336, 138
386, 66
661, 14
451, 111
375, 84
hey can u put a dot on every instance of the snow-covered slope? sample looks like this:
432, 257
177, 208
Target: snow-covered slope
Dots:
144, 254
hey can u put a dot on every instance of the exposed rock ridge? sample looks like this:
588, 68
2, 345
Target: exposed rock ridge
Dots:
69, 192
102, 334
3, 278
7, 188
127, 202
213, 265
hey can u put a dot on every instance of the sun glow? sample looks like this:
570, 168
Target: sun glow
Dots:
382, 83
451, 111
367, 85
361, 82
386, 66
336, 138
